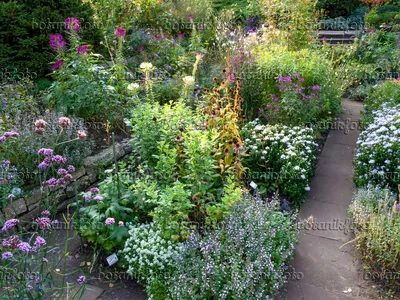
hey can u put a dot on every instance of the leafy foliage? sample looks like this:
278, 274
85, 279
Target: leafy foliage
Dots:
244, 258
25, 27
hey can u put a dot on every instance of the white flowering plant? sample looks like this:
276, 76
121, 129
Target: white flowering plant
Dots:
149, 256
280, 158
377, 160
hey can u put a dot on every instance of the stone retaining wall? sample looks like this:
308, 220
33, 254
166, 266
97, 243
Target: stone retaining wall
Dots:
86, 176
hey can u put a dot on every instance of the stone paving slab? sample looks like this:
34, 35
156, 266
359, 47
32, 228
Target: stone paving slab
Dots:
329, 271
340, 189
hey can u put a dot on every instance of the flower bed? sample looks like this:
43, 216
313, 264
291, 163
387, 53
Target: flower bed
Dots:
377, 159
227, 262
280, 158
374, 210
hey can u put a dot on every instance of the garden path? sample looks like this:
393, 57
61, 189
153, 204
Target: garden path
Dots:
325, 271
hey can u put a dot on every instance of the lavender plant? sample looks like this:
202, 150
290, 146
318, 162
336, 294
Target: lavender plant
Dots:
245, 258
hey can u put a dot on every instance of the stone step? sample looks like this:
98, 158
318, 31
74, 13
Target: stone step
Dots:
339, 37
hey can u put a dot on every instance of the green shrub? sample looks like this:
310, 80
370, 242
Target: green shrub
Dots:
25, 27
383, 15
335, 9
376, 219
387, 92
172, 179
295, 19
260, 79
87, 86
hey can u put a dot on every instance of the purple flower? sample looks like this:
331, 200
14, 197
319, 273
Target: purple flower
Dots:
72, 24
110, 221
44, 259
12, 242
46, 151
81, 280
44, 222
274, 97
11, 196
59, 159
39, 242
57, 42
43, 165
190, 18
52, 182
71, 168
120, 32
45, 213
98, 198
82, 49
58, 64
62, 172
140, 49
9, 224
60, 182
316, 88
24, 247
39, 131
6, 255
10, 134
168, 68
180, 35
88, 198
2, 139
64, 122
95, 190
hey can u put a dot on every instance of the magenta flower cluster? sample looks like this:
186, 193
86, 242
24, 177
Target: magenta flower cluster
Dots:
110, 221
64, 176
9, 224
93, 195
43, 222
120, 32
57, 65
11, 242
64, 122
57, 42
82, 49
72, 24
7, 135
